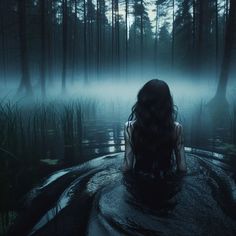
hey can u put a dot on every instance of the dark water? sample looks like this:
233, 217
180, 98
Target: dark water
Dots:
96, 198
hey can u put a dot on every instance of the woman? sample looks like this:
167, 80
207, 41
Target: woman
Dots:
152, 135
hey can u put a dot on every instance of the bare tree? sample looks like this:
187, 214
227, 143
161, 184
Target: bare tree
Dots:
64, 44
85, 43
25, 82
216, 35
142, 31
230, 36
43, 49
98, 18
200, 11
126, 36
156, 37
49, 35
194, 36
117, 35
2, 33
112, 31
219, 104
173, 35
75, 41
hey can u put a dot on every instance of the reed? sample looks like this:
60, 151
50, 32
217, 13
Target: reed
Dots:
29, 135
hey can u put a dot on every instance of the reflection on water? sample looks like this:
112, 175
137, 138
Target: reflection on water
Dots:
102, 138
96, 198
105, 137
54, 177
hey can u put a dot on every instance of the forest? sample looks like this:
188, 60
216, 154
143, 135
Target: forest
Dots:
69, 41
70, 71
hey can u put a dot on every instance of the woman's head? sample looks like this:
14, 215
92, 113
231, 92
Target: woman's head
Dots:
154, 115
154, 103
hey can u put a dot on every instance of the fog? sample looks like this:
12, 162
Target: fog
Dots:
118, 94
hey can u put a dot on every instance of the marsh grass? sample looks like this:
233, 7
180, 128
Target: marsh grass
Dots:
29, 136
233, 125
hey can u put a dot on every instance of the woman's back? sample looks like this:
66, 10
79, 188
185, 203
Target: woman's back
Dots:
151, 134
159, 166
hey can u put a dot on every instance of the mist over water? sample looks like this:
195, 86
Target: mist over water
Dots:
113, 99
185, 90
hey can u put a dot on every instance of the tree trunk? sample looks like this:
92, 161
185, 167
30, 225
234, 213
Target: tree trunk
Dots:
141, 39
98, 38
112, 34
226, 9
194, 38
173, 36
2, 32
64, 45
75, 41
49, 40
90, 42
216, 36
103, 43
156, 40
117, 23
43, 49
85, 44
219, 106
126, 37
25, 82
200, 34
230, 36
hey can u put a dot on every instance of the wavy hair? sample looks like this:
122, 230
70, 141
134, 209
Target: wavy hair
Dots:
152, 136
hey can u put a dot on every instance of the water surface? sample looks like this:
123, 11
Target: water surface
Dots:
96, 198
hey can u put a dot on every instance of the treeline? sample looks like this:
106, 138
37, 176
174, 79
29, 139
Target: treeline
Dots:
71, 40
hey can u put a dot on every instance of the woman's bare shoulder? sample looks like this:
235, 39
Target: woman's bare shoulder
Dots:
128, 128
129, 124
178, 130
178, 126
176, 123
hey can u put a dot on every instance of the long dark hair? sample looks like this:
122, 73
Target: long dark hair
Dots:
152, 136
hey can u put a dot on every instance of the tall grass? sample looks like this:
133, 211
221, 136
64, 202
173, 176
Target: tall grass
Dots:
30, 135
233, 125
